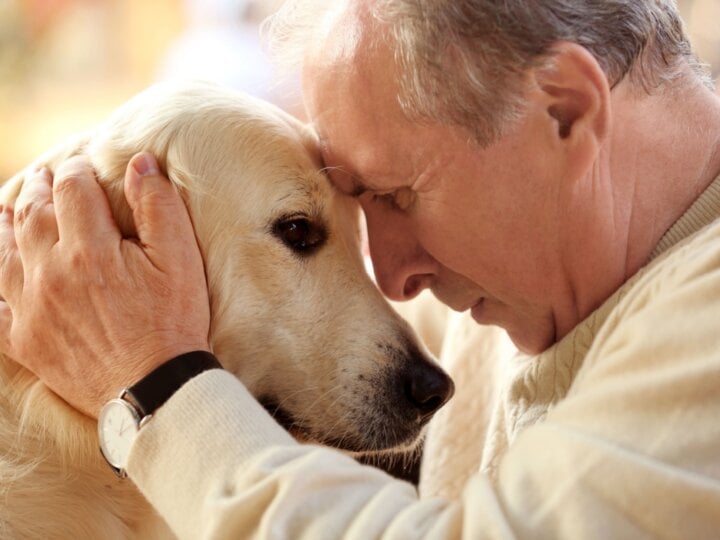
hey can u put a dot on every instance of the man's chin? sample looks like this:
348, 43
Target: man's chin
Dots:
531, 343
530, 334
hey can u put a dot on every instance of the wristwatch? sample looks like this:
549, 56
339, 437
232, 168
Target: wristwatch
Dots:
122, 418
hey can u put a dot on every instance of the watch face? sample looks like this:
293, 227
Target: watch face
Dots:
117, 428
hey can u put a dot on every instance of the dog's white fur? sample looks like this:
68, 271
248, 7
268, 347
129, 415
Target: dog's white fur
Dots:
310, 333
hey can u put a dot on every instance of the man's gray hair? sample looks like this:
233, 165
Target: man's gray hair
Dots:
462, 61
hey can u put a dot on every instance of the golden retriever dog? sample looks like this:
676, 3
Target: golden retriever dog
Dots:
294, 315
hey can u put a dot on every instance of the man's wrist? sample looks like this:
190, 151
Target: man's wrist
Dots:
153, 390
121, 418
136, 361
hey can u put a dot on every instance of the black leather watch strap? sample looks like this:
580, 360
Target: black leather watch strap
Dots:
156, 388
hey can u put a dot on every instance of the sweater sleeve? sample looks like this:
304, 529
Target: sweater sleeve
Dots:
216, 465
632, 451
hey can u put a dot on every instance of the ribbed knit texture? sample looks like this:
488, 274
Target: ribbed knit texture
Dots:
704, 211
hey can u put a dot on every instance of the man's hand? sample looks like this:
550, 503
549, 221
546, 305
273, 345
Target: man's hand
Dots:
86, 310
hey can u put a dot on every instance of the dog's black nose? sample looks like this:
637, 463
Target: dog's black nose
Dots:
427, 388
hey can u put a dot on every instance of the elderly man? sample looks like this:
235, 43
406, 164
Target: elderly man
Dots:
550, 166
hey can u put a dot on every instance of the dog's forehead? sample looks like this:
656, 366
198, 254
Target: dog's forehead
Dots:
227, 149
307, 189
288, 154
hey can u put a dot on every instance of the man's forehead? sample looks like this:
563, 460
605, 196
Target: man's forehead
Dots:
337, 37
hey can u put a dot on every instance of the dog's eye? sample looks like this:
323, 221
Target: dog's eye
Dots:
300, 234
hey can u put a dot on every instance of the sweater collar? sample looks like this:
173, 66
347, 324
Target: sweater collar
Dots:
703, 211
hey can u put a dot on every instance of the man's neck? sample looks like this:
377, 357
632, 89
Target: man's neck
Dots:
666, 151
662, 153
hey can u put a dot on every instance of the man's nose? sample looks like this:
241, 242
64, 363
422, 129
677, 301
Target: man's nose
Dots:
402, 266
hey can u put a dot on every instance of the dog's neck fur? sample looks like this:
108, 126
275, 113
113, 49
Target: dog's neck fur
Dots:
49, 453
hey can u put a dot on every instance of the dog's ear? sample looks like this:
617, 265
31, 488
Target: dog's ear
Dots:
110, 165
110, 151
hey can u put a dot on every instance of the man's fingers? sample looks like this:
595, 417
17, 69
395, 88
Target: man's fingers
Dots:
161, 218
35, 225
83, 210
11, 268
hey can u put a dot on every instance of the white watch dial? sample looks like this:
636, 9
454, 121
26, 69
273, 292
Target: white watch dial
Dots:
117, 427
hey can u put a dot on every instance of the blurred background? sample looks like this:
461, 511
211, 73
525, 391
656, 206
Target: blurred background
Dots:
65, 64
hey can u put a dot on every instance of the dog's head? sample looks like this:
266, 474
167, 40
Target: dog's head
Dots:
294, 315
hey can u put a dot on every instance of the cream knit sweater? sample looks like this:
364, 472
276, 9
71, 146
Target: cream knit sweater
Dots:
614, 432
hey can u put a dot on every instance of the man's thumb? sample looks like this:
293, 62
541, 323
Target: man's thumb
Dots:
161, 219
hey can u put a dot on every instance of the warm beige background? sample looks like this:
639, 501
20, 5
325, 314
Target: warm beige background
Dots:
64, 64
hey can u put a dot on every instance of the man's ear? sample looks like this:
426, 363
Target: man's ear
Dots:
576, 91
